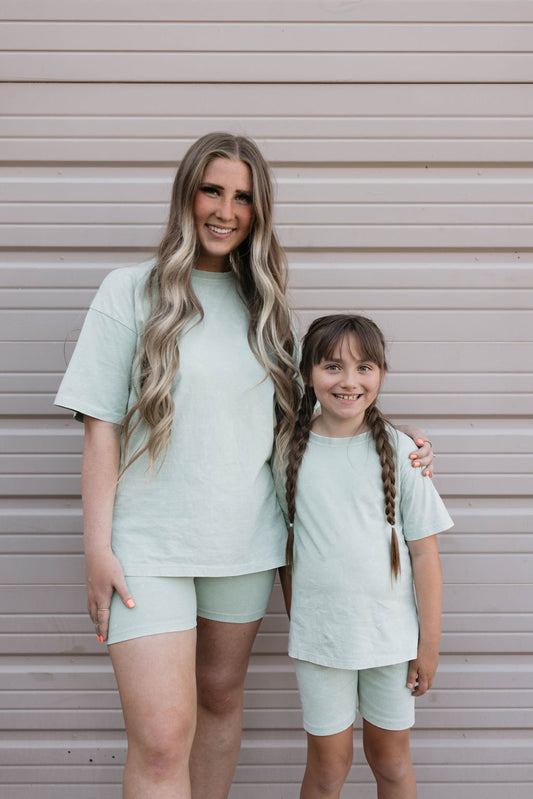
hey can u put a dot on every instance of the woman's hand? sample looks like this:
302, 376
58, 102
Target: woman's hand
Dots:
423, 456
99, 475
104, 575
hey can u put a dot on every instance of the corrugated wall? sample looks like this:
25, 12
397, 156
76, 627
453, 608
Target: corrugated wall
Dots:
401, 134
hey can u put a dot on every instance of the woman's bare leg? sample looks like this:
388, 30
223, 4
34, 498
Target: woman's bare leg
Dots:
388, 755
329, 759
223, 651
156, 681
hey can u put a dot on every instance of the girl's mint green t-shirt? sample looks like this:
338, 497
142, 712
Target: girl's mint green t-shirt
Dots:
210, 508
346, 610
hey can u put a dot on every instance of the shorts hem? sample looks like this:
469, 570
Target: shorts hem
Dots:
388, 725
230, 618
333, 729
129, 635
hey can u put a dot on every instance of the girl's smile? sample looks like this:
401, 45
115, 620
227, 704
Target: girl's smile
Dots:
223, 212
345, 386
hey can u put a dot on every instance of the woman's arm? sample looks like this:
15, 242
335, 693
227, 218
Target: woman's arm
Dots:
99, 475
423, 456
427, 576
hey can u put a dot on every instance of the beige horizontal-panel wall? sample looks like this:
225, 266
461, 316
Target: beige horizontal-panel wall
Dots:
401, 136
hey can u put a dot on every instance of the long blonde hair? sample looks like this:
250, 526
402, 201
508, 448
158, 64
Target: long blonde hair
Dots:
261, 271
319, 343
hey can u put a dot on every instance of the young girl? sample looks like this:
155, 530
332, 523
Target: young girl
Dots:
362, 525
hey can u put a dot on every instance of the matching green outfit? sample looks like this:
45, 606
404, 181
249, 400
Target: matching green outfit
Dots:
210, 508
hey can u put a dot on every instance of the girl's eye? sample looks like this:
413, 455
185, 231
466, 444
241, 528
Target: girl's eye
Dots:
244, 198
365, 368
332, 367
209, 190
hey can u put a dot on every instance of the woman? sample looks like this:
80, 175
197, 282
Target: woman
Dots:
184, 375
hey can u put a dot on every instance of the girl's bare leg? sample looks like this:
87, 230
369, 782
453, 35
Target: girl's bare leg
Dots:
389, 757
329, 759
156, 681
223, 651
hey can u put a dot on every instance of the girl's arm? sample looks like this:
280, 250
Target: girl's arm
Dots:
427, 576
99, 475
286, 586
423, 456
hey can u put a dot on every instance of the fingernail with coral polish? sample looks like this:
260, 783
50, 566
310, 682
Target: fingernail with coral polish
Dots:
413, 456
100, 639
130, 603
419, 441
416, 463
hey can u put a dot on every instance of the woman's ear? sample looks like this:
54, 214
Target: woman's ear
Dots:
383, 375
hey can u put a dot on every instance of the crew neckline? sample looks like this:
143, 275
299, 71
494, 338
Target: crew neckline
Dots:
203, 274
327, 441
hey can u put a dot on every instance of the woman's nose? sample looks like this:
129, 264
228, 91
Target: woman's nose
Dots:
225, 208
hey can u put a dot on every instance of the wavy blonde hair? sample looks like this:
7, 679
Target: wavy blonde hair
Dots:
319, 344
261, 271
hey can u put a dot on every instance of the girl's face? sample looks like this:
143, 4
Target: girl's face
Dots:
345, 386
223, 212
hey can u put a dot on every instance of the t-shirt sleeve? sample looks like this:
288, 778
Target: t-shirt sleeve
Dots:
98, 378
422, 511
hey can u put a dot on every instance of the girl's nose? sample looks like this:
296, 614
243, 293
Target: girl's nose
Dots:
350, 381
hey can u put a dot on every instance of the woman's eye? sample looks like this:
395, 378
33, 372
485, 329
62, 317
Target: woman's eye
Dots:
244, 198
332, 367
209, 190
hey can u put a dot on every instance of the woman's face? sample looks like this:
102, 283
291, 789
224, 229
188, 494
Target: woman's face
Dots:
223, 212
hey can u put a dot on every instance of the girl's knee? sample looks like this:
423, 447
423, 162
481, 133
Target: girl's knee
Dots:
388, 754
329, 776
329, 761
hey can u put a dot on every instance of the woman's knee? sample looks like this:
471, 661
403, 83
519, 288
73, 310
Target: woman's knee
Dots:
219, 692
222, 653
163, 747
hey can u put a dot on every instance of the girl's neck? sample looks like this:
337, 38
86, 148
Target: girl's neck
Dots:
322, 426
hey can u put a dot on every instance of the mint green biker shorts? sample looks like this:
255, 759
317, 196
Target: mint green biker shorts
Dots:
171, 604
329, 697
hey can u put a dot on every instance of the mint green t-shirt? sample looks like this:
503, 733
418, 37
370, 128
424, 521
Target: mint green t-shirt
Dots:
346, 610
210, 509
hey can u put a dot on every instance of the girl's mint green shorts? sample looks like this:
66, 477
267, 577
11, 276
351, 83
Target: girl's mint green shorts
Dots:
171, 604
329, 697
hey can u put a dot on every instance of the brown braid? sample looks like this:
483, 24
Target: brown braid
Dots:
297, 447
378, 427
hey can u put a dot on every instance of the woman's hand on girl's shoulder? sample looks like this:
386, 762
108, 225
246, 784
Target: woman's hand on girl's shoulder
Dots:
423, 456
104, 575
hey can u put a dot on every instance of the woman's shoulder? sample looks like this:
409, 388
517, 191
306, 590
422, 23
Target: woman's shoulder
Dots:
126, 278
122, 293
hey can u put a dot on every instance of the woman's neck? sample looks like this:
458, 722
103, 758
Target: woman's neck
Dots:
205, 263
